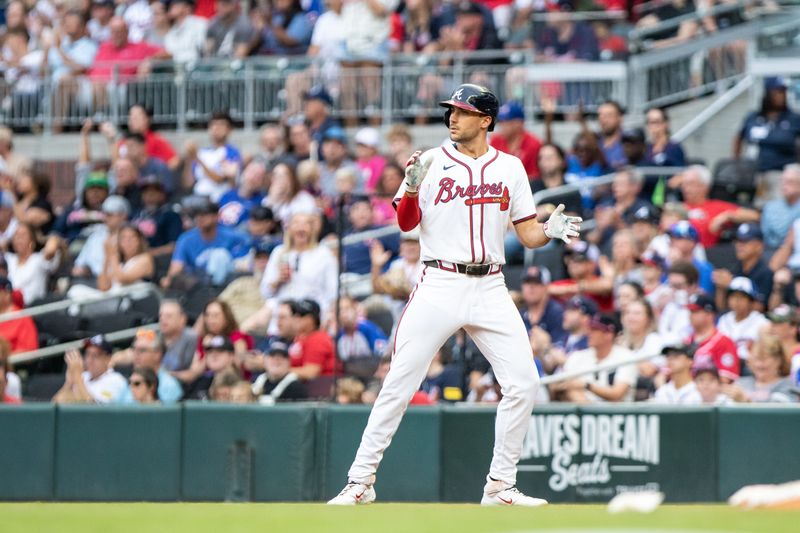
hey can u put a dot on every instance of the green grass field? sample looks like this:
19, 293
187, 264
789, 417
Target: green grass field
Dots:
379, 518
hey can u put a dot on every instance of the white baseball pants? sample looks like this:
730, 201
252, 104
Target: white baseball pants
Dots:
441, 304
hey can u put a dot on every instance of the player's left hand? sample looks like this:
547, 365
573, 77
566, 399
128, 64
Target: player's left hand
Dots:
416, 170
561, 226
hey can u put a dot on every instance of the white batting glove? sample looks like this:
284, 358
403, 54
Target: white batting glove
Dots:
416, 170
561, 226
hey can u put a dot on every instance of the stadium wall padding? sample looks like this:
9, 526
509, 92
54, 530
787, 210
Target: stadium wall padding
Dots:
218, 452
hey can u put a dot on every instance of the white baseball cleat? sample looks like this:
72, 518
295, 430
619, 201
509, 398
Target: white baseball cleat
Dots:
499, 493
354, 494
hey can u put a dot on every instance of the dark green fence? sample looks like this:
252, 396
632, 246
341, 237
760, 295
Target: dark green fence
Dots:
214, 452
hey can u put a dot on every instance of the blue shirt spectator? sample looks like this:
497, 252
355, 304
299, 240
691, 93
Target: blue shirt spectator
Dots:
566, 39
778, 215
169, 390
670, 156
364, 339
235, 205
289, 31
73, 53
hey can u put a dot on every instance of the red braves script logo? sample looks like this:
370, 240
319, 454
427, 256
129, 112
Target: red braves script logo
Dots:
474, 194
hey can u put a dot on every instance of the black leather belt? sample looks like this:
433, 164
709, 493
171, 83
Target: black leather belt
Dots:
469, 270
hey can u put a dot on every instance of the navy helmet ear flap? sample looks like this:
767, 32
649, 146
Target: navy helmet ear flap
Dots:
447, 117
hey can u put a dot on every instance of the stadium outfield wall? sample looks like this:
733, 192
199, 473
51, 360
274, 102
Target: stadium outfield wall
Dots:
214, 452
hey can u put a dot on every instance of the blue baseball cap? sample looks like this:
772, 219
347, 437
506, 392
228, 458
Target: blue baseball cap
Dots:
749, 232
585, 305
334, 133
318, 92
775, 82
684, 230
510, 111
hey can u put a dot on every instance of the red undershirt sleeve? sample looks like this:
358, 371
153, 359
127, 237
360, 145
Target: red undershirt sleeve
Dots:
408, 212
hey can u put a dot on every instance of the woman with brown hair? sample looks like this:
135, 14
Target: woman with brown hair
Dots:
217, 319
769, 365
127, 260
144, 385
286, 196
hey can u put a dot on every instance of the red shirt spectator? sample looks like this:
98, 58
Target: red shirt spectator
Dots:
720, 350
701, 215
206, 8
605, 302
20, 333
315, 348
155, 146
512, 138
121, 53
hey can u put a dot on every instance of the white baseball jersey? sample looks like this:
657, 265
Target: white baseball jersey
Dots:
467, 203
743, 333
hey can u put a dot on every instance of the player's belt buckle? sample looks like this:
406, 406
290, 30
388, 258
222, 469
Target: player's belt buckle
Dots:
477, 270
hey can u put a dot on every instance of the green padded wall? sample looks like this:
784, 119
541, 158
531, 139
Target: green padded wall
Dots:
27, 437
118, 453
248, 452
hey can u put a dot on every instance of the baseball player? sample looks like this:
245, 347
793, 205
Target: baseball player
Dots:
463, 195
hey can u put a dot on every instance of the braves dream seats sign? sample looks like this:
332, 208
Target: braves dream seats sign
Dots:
593, 452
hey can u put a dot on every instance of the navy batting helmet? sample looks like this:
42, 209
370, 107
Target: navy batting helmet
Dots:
472, 98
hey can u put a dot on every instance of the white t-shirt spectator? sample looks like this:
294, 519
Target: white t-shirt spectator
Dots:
313, 276
139, 18
31, 277
329, 32
586, 359
669, 394
652, 346
185, 41
97, 32
364, 30
302, 203
107, 387
743, 333
674, 325
224, 159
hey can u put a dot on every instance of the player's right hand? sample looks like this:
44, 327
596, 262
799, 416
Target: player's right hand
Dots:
416, 170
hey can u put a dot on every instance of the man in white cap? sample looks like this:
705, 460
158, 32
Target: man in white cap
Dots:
91, 259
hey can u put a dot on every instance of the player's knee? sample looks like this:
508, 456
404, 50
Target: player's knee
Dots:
523, 387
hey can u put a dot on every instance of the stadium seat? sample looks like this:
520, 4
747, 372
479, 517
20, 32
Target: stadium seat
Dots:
735, 181
55, 328
114, 322
41, 387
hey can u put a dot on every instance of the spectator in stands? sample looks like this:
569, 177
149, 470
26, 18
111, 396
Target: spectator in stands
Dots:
140, 120
552, 165
207, 250
444, 381
626, 293
582, 279
299, 140
92, 258
218, 321
770, 381
143, 385
20, 333
617, 212
99, 26
5, 372
634, 147
565, 39
358, 337
68, 53
278, 383
157, 32
317, 104
157, 219
298, 268
640, 336
743, 323
236, 204
680, 389
283, 29
710, 216
538, 308
219, 357
186, 37
783, 325
383, 200
750, 264
127, 260
671, 35
312, 352
87, 211
513, 139
212, 171
644, 225
335, 157
603, 386
400, 144
671, 302
778, 215
29, 267
139, 17
221, 386
8, 224
586, 160
28, 196
180, 341
365, 46
624, 266
708, 385
230, 32
271, 144
119, 52
683, 240
775, 130
403, 273
348, 391
660, 240
148, 352
712, 345
578, 313
146, 165
285, 197
15, 164
610, 116
357, 256
125, 175
90, 379
368, 159
661, 150
417, 18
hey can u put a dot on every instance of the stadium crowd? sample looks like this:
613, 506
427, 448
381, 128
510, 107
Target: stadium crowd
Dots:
705, 289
